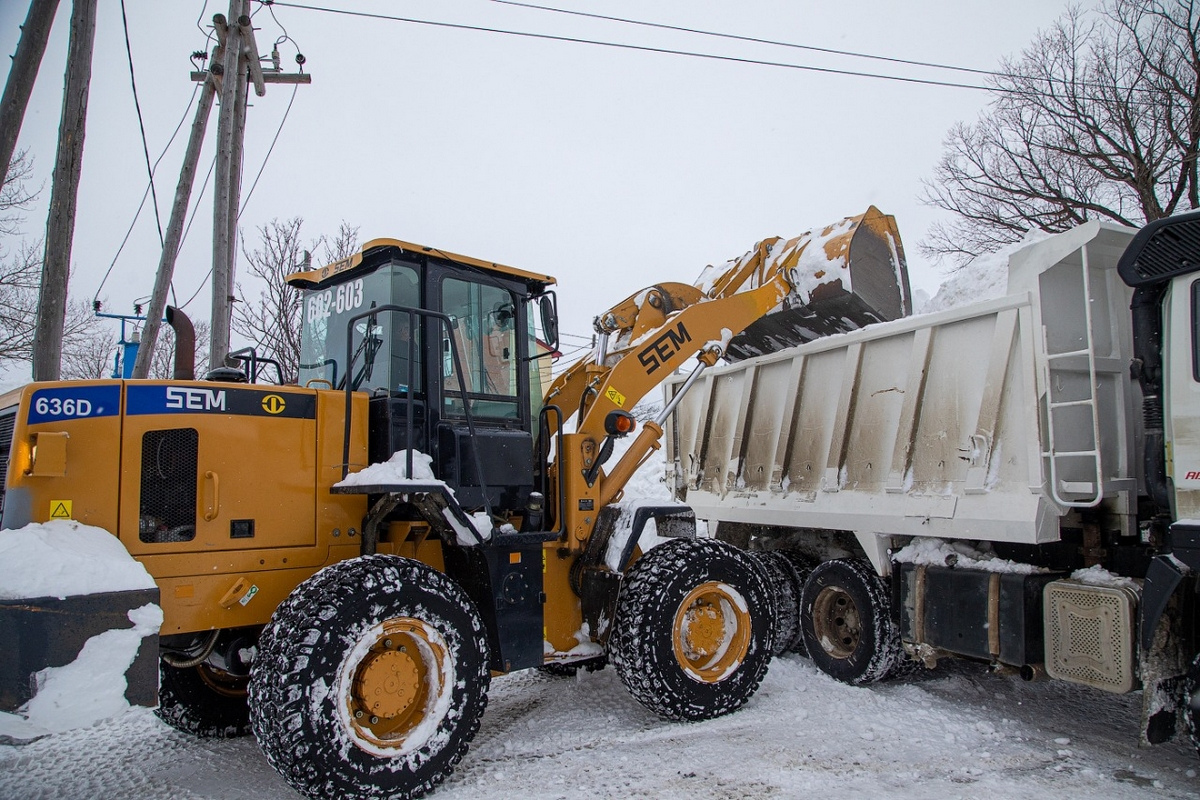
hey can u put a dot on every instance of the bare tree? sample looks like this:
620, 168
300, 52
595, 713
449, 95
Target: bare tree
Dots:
271, 321
1098, 119
86, 343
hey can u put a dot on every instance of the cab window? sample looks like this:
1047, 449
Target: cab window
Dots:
483, 329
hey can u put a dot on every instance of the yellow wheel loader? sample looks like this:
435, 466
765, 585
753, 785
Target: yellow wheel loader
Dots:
344, 564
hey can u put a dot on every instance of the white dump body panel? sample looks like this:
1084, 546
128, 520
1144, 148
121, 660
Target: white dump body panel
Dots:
938, 425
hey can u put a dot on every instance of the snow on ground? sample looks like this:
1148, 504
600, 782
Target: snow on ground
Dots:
956, 732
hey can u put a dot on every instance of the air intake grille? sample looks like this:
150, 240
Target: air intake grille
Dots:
1089, 634
167, 510
1161, 250
8, 421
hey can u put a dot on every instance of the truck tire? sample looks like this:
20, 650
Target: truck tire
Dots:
847, 624
785, 587
692, 631
802, 567
1189, 703
370, 680
202, 701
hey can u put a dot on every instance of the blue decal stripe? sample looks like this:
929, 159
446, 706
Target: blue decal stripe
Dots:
62, 403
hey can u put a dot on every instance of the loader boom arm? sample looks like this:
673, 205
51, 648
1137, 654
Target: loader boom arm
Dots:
650, 334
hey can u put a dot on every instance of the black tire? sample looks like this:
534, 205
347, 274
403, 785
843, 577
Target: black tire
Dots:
570, 670
802, 567
785, 588
202, 701
1190, 703
338, 702
847, 625
693, 632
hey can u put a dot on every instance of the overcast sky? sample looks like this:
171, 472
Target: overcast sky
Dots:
610, 169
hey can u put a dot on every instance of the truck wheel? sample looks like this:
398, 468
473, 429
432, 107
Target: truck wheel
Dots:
846, 622
1191, 703
370, 680
202, 701
692, 631
785, 587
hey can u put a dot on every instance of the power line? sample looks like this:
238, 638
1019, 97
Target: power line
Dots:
754, 39
643, 48
270, 150
191, 219
146, 193
141, 125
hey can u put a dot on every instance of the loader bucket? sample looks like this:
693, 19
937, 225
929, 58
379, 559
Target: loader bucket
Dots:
845, 276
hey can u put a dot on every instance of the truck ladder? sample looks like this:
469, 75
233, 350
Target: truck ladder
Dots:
1054, 456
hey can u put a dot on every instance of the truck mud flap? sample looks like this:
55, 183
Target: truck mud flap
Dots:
46, 632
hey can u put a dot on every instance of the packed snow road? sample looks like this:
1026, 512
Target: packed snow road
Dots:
958, 732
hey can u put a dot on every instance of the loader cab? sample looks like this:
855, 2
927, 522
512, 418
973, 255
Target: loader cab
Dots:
425, 372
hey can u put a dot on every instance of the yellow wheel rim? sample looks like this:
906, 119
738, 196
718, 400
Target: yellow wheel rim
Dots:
836, 622
712, 631
396, 676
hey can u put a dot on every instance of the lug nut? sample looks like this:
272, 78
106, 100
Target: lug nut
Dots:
387, 643
374, 720
358, 714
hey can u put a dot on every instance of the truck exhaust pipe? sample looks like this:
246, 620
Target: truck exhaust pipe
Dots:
185, 345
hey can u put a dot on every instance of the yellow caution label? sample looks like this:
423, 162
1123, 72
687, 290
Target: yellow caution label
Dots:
616, 397
60, 509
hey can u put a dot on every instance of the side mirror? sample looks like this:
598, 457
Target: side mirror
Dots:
548, 306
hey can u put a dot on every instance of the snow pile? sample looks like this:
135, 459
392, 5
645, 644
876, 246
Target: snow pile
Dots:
814, 265
1099, 576
984, 278
941, 553
89, 689
62, 558
394, 471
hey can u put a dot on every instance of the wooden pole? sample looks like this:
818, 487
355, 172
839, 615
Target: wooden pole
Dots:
30, 49
222, 247
60, 225
183, 196
240, 98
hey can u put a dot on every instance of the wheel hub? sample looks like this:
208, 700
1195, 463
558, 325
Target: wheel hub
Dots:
387, 684
396, 678
711, 632
836, 622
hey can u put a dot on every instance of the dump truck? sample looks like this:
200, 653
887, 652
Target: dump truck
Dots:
1015, 481
344, 564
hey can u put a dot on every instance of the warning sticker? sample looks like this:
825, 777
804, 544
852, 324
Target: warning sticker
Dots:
616, 397
60, 509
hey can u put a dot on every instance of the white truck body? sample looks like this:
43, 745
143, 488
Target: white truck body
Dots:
989, 422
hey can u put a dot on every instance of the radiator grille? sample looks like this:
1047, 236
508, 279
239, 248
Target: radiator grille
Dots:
1089, 634
167, 509
8, 422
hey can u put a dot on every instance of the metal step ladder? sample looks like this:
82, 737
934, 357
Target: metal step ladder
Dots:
1094, 490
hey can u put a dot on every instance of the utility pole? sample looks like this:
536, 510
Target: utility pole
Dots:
224, 202
228, 76
183, 196
30, 49
60, 225
241, 66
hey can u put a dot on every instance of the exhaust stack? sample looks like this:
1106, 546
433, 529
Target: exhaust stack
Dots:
185, 345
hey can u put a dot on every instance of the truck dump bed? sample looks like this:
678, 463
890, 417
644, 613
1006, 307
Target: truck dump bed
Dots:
988, 422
